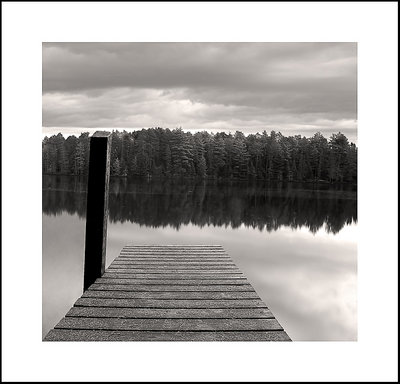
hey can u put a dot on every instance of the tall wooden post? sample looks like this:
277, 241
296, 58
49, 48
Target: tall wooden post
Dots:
97, 207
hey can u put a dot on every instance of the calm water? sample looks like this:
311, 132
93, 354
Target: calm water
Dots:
296, 244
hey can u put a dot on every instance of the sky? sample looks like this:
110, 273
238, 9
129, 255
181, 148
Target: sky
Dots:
292, 88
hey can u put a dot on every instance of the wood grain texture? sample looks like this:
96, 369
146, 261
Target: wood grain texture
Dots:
119, 324
237, 313
195, 259
184, 263
173, 246
188, 264
111, 294
160, 303
170, 293
111, 280
172, 276
181, 266
181, 254
171, 288
124, 274
175, 249
185, 271
97, 335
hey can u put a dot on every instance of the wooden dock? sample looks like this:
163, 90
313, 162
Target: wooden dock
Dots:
170, 293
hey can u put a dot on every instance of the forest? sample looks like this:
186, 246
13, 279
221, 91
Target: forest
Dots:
158, 152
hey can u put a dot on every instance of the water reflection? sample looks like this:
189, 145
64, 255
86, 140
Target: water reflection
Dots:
296, 244
156, 203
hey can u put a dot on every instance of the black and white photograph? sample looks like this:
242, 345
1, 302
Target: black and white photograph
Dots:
199, 191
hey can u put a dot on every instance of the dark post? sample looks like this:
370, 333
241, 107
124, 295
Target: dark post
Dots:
97, 207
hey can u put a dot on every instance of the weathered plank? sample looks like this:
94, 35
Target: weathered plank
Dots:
176, 253
160, 281
125, 274
96, 335
173, 265
144, 260
174, 269
169, 276
150, 303
174, 246
171, 288
170, 258
237, 313
179, 262
184, 271
171, 295
169, 324
188, 266
174, 250
167, 247
190, 258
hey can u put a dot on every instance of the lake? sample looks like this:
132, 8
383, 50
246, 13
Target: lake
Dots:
296, 243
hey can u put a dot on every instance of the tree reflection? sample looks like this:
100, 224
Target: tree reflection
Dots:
159, 203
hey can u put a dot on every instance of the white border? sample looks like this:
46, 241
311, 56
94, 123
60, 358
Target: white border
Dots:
25, 25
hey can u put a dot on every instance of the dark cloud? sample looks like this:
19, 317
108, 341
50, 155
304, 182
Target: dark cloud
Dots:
247, 86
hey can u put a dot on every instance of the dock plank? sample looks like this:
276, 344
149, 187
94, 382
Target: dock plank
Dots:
161, 263
184, 267
111, 280
168, 263
171, 295
123, 324
97, 335
172, 276
183, 270
131, 275
176, 254
209, 313
171, 250
131, 258
172, 288
160, 303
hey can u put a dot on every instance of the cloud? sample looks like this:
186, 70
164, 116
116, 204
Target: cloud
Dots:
293, 87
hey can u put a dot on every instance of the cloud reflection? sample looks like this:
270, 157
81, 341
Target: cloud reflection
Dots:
305, 273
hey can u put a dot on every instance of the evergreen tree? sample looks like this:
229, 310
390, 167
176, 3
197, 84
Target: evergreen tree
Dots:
79, 159
168, 161
116, 167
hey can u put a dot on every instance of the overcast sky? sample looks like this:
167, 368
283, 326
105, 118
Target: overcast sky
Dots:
294, 88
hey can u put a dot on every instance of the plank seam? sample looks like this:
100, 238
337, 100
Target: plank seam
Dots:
172, 318
167, 330
166, 299
146, 307
169, 291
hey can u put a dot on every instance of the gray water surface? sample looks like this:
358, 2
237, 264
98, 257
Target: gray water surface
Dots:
296, 243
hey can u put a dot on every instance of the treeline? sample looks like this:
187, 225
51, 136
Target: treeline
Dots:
158, 152
174, 203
